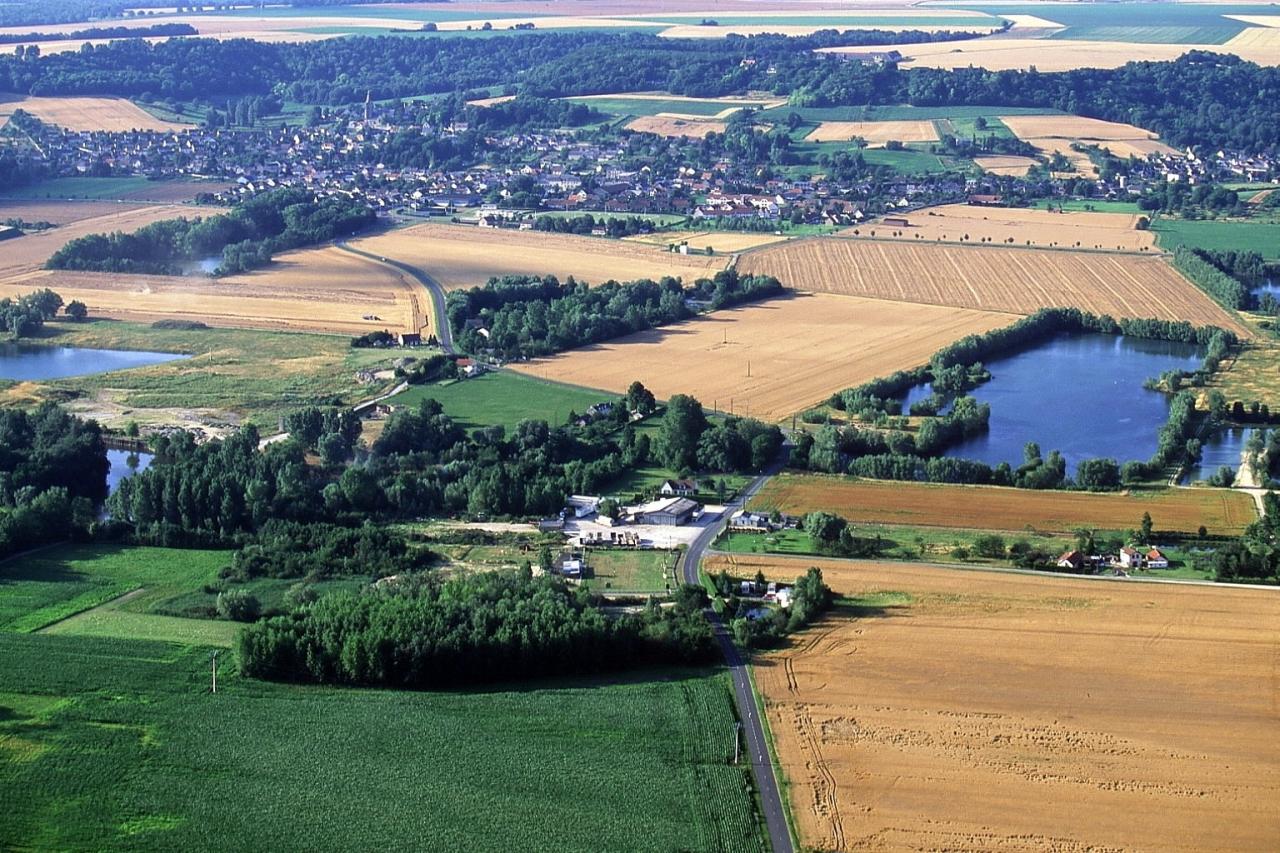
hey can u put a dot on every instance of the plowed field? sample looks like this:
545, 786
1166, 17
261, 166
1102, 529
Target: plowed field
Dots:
961, 710
461, 256
772, 359
990, 278
1223, 512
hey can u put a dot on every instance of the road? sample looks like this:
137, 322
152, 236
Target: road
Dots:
756, 746
439, 322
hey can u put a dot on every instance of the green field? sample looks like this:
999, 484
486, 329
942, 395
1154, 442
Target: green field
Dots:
966, 127
95, 189
624, 106
832, 21
1098, 205
240, 374
115, 744
615, 570
899, 113
1257, 236
55, 583
1154, 34
505, 398
1141, 22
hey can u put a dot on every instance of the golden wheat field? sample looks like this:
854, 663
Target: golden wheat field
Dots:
318, 290
88, 114
29, 252
671, 126
1005, 164
720, 241
990, 278
975, 711
61, 212
459, 256
1223, 512
1053, 55
874, 132
965, 223
772, 359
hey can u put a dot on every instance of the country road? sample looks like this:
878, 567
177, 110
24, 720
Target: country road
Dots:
756, 745
440, 320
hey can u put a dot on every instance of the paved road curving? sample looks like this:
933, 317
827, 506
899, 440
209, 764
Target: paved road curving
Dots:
755, 747
439, 322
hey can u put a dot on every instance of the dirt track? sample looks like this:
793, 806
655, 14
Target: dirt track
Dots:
976, 711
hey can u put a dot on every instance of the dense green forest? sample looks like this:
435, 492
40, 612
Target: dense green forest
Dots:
245, 238
1203, 99
527, 316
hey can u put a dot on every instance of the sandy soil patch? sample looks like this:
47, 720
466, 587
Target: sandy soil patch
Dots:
984, 711
322, 290
954, 223
465, 256
874, 132
721, 241
24, 254
1049, 55
1005, 164
772, 359
668, 126
990, 278
1222, 511
88, 113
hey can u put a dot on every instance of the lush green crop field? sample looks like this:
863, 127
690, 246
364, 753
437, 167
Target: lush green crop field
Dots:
835, 20
1089, 204
966, 127
52, 584
624, 106
506, 398
899, 113
112, 744
95, 189
1263, 237
1139, 18
1155, 34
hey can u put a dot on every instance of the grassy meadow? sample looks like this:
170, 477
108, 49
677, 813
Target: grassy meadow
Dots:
505, 398
1222, 234
93, 189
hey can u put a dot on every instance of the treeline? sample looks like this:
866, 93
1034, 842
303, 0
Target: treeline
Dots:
1224, 288
1255, 557
614, 226
429, 633
247, 237
53, 476
153, 31
688, 441
1166, 97
527, 316
26, 315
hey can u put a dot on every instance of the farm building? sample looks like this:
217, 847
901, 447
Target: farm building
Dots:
749, 522
670, 511
1072, 560
1130, 558
897, 221
678, 488
1155, 559
582, 505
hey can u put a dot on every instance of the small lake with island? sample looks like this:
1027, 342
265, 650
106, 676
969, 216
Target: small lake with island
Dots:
1078, 394
24, 362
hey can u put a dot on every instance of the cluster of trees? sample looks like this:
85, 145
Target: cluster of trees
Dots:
614, 226
315, 551
810, 598
831, 534
331, 431
1255, 557
53, 476
689, 441
26, 315
426, 633
1225, 288
527, 316
247, 237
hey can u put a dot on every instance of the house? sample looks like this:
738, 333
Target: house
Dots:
571, 567
408, 339
749, 522
1131, 558
1072, 561
671, 511
582, 506
678, 488
1156, 559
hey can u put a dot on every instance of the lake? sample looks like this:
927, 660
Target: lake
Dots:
1079, 394
1223, 448
26, 362
124, 464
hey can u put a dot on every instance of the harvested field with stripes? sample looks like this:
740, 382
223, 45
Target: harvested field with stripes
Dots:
874, 132
459, 256
721, 241
990, 278
1222, 511
770, 359
964, 710
1016, 226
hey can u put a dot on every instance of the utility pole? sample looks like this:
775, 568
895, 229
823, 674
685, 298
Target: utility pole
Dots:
215, 672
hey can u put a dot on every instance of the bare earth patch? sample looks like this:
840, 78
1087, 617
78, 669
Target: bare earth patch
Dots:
965, 710
772, 359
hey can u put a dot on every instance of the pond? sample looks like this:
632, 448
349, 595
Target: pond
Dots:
1222, 448
1079, 394
124, 464
27, 362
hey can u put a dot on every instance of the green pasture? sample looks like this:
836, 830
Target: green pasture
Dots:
899, 113
89, 189
504, 397
624, 106
1221, 234
1086, 205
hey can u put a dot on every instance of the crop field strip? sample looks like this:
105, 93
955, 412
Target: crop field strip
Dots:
1222, 511
772, 359
1157, 722
965, 223
874, 132
82, 113
1015, 280
460, 256
675, 127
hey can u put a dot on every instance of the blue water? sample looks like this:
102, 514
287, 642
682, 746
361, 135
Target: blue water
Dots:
32, 362
1078, 394
1222, 448
124, 464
